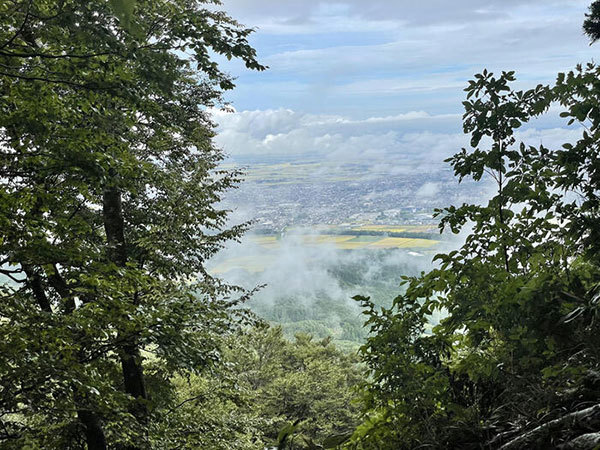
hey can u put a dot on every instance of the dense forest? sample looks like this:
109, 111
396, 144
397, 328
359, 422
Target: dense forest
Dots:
113, 335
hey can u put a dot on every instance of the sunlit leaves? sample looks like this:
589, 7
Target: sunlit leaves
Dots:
124, 11
94, 97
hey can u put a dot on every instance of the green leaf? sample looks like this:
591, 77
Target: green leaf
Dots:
336, 440
124, 11
284, 434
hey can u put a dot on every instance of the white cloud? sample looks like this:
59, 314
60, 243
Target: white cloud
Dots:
412, 137
291, 134
364, 59
428, 190
295, 13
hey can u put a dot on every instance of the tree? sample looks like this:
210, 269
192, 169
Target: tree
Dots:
514, 363
591, 25
110, 185
305, 390
297, 394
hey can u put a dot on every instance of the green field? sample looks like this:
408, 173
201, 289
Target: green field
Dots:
269, 174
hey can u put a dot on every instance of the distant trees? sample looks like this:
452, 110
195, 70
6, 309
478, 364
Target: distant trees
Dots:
307, 384
298, 394
108, 211
514, 364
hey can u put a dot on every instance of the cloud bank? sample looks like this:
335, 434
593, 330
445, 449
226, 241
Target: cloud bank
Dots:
411, 138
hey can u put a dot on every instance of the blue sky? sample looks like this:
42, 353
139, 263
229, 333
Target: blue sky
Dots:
384, 77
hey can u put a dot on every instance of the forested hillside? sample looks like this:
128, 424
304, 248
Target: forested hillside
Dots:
310, 289
115, 335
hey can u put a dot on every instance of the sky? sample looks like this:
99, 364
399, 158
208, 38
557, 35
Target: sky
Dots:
385, 78
381, 82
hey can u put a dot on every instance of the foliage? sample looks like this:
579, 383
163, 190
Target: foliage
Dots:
591, 25
517, 348
210, 410
306, 385
108, 210
267, 391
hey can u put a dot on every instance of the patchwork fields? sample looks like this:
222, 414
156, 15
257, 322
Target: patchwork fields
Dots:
265, 249
350, 242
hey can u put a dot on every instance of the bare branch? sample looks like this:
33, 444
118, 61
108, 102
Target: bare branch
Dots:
579, 418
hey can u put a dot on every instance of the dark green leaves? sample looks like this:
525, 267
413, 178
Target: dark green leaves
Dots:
516, 305
285, 435
591, 25
124, 11
336, 441
108, 206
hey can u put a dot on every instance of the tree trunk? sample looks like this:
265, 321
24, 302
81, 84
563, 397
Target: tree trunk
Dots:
588, 418
114, 225
587, 441
500, 206
94, 435
35, 283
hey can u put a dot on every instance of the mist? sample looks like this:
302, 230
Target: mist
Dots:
308, 284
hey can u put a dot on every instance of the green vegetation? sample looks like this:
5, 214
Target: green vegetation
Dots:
108, 170
514, 364
373, 265
327, 310
108, 211
268, 384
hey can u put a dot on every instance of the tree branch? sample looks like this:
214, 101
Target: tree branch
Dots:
589, 417
20, 30
584, 442
9, 274
49, 80
35, 282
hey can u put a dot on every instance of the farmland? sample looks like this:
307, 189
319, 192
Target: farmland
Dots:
397, 228
308, 278
350, 241
261, 250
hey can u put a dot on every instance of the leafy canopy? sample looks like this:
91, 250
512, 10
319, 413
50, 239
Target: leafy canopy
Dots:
108, 211
514, 363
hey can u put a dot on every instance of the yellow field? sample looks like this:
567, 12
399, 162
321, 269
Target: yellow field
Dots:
266, 257
264, 239
352, 245
349, 242
382, 228
398, 228
403, 243
326, 239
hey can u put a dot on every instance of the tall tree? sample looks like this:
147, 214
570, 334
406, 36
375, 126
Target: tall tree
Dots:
110, 185
514, 363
